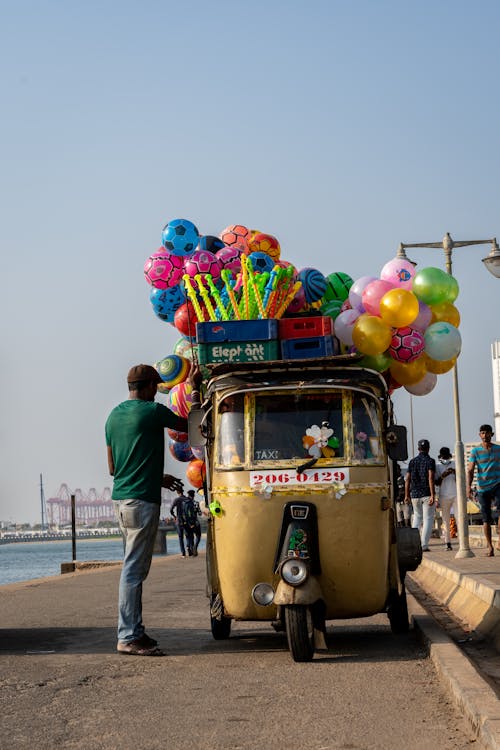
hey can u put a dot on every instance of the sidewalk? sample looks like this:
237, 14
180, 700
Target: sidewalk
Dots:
469, 587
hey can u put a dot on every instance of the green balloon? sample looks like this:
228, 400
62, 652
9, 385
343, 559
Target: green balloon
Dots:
337, 286
379, 362
433, 286
332, 308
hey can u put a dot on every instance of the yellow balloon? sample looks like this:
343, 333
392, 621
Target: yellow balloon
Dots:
445, 312
410, 373
438, 368
370, 335
399, 307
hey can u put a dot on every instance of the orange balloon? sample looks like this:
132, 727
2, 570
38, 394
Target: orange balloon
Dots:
196, 472
399, 307
370, 335
445, 312
408, 373
438, 368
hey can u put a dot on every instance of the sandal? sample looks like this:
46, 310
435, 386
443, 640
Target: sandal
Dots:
490, 553
137, 648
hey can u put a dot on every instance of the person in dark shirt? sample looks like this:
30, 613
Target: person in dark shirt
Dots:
135, 437
420, 489
178, 514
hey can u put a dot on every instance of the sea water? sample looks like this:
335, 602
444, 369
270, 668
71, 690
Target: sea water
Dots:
23, 561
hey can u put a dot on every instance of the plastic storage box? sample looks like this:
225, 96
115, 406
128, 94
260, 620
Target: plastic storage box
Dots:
236, 330
314, 346
300, 328
238, 351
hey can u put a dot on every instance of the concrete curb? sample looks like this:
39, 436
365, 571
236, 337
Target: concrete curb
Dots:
470, 692
473, 599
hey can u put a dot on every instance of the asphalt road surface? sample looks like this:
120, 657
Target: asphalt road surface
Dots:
62, 685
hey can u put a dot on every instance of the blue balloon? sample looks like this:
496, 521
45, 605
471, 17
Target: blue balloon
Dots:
165, 302
180, 237
180, 451
261, 262
442, 341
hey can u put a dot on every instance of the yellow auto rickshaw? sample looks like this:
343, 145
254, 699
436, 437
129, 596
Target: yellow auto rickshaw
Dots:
300, 459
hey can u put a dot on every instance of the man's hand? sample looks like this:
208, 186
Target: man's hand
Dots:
195, 377
172, 483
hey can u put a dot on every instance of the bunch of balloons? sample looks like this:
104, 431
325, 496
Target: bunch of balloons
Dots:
405, 323
238, 275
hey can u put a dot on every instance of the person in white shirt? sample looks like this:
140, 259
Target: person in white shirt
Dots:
446, 481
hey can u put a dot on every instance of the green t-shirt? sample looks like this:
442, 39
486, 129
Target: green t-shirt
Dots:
135, 430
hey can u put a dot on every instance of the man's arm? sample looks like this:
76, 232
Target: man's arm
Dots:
432, 486
111, 462
407, 487
470, 476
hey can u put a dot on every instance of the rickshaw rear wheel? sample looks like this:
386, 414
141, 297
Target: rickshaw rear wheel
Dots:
299, 632
397, 612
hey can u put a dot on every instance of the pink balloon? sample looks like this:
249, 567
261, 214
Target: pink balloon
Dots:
356, 291
399, 272
373, 293
424, 317
424, 386
344, 323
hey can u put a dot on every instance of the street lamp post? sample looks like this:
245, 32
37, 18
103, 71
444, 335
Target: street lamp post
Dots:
492, 263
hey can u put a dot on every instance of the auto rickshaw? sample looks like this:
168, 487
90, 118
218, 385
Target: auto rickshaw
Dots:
300, 458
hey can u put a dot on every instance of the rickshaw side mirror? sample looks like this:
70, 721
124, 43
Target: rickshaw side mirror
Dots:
196, 430
397, 443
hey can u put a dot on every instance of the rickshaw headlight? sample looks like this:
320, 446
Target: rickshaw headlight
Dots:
294, 571
263, 594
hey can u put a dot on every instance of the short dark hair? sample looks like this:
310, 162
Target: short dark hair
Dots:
191, 492
139, 385
486, 428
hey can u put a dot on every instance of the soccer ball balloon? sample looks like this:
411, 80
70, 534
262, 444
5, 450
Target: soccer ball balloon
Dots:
265, 243
180, 237
406, 344
163, 269
236, 235
261, 262
202, 262
210, 243
230, 257
166, 302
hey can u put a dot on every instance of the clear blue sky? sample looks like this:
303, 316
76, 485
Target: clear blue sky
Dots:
343, 128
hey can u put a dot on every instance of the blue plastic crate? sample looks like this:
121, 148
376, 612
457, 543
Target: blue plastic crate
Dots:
314, 346
236, 330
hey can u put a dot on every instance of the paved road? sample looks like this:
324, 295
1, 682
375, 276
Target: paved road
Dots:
372, 690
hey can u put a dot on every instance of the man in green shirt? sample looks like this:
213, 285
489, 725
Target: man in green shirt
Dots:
135, 439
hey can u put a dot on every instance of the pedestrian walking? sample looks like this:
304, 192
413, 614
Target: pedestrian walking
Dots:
420, 491
446, 482
197, 525
177, 511
403, 508
135, 437
485, 458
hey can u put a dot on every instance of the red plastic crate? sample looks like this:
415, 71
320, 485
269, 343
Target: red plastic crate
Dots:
303, 328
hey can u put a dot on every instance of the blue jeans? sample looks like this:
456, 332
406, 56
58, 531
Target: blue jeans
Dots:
423, 516
138, 521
